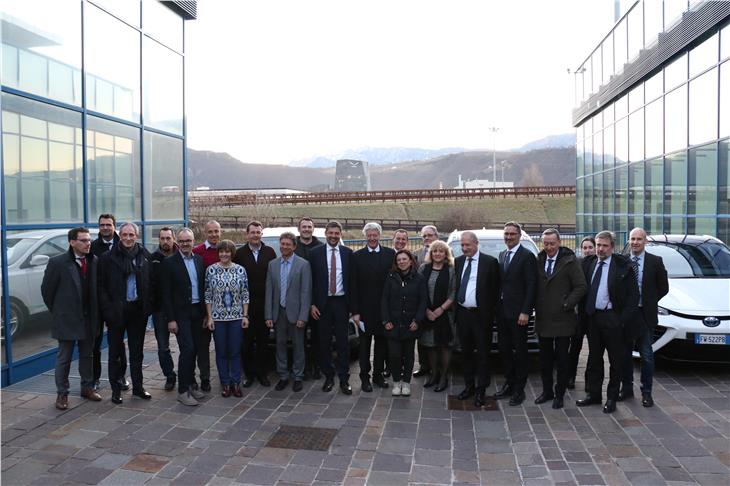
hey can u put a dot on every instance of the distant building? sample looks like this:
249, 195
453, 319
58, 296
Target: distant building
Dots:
208, 192
352, 175
482, 184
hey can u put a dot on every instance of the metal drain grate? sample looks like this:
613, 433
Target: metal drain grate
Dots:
468, 405
306, 438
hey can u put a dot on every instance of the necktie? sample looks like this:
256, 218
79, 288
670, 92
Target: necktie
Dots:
550, 267
636, 272
507, 258
464, 282
333, 272
593, 294
82, 261
284, 281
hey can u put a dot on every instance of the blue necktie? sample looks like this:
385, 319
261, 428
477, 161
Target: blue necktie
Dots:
284, 281
595, 283
464, 282
550, 267
507, 259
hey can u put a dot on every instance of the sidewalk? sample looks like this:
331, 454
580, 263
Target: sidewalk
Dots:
365, 438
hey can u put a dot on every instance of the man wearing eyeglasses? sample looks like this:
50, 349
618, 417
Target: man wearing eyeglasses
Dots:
69, 291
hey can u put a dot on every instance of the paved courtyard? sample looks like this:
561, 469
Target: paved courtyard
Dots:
684, 439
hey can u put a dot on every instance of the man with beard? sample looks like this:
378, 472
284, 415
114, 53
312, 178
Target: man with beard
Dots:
125, 303
167, 247
306, 242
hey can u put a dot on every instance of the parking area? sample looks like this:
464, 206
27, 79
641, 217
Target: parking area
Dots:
312, 437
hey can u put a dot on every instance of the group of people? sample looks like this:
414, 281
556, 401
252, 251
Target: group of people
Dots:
246, 298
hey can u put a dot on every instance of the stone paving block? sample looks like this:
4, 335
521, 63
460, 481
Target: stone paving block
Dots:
391, 463
500, 478
337, 462
81, 438
164, 447
646, 477
308, 458
589, 479
493, 462
90, 475
122, 477
273, 456
534, 471
711, 479
382, 478
431, 475
400, 430
110, 461
392, 445
256, 474
433, 442
188, 478
703, 465
182, 434
331, 475
466, 477
675, 474
295, 473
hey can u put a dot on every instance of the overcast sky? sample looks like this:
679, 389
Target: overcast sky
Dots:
281, 80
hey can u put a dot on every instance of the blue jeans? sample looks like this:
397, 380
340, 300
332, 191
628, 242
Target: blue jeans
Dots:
162, 336
228, 337
643, 344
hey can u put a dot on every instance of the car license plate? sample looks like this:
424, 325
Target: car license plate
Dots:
712, 339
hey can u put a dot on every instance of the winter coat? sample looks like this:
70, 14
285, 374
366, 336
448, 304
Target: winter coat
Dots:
558, 294
404, 301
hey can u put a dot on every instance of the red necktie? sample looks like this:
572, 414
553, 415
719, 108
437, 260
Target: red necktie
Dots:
83, 266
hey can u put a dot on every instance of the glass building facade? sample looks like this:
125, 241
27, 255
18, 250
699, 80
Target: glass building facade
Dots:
93, 121
653, 122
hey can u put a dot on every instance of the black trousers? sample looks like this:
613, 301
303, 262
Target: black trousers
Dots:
576, 346
96, 357
605, 333
254, 355
333, 322
423, 363
402, 355
513, 352
379, 355
187, 347
554, 354
474, 335
134, 322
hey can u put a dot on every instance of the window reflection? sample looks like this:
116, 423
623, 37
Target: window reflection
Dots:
654, 129
703, 56
598, 193
163, 88
675, 73
703, 180
619, 44
675, 119
675, 184
654, 86
622, 189
636, 136
653, 181
607, 58
725, 42
622, 141
598, 151
723, 182
652, 21
636, 188
673, 11
163, 24
608, 150
579, 156
703, 108
163, 177
725, 98
608, 192
635, 31
126, 9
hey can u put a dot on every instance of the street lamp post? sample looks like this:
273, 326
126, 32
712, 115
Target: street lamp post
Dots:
494, 156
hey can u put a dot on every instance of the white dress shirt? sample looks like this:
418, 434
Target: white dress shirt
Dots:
340, 285
470, 299
603, 301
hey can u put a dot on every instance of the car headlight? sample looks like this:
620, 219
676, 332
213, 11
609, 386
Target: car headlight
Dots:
662, 311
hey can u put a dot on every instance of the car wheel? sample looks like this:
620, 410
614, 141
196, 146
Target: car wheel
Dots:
17, 315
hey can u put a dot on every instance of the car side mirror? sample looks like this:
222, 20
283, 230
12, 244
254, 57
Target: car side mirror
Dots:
39, 260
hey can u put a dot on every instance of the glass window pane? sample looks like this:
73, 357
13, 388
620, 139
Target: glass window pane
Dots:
42, 162
589, 155
636, 136
619, 45
654, 86
675, 73
725, 42
163, 177
654, 129
598, 193
597, 70
622, 106
163, 87
622, 141
652, 21
579, 157
701, 226
675, 184
703, 180
673, 10
675, 120
636, 97
703, 56
598, 152
636, 31
588, 76
725, 99
588, 182
608, 150
703, 108
112, 65
607, 58
47, 47
608, 114
125, 9
622, 189
636, 188
113, 169
608, 192
653, 183
163, 24
579, 195
723, 184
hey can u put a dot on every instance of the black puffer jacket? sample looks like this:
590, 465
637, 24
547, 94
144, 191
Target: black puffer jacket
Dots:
404, 301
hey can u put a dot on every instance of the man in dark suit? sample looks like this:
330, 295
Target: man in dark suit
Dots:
518, 268
166, 248
255, 256
306, 241
125, 299
477, 294
610, 305
69, 290
653, 285
332, 290
183, 304
372, 265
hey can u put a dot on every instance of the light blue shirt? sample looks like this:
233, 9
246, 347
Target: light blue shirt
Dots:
193, 274
131, 288
603, 301
284, 278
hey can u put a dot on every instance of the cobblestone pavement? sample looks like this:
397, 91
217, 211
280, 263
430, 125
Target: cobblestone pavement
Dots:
684, 439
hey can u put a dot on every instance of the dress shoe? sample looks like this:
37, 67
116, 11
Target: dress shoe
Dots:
625, 394
197, 394
329, 383
442, 386
466, 393
117, 397
205, 385
124, 384
345, 388
90, 394
187, 398
544, 397
504, 392
263, 381
62, 402
97, 385
170, 383
571, 383
557, 402
281, 385
297, 387
588, 400
225, 391
433, 379
517, 398
248, 383
386, 373
236, 390
421, 372
479, 399
141, 393
646, 399
610, 406
380, 382
366, 385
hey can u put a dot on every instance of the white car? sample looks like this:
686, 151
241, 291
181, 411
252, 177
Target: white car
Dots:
694, 317
27, 257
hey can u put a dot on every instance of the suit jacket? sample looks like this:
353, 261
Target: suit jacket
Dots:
519, 283
177, 302
62, 290
371, 272
654, 286
98, 247
420, 255
298, 290
320, 275
256, 272
113, 284
623, 291
558, 294
488, 285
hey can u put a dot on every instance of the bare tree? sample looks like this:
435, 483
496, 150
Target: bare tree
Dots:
532, 176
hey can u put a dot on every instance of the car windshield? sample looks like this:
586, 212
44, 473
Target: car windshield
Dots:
492, 246
686, 260
17, 247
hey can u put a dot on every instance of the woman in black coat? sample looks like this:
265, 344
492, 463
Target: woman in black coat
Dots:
403, 311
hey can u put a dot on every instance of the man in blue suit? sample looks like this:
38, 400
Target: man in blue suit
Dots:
331, 289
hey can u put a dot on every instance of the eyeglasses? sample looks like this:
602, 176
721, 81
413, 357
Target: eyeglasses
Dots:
83, 241
184, 241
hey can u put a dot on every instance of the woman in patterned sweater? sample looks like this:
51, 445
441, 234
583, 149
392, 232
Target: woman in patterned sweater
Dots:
226, 298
